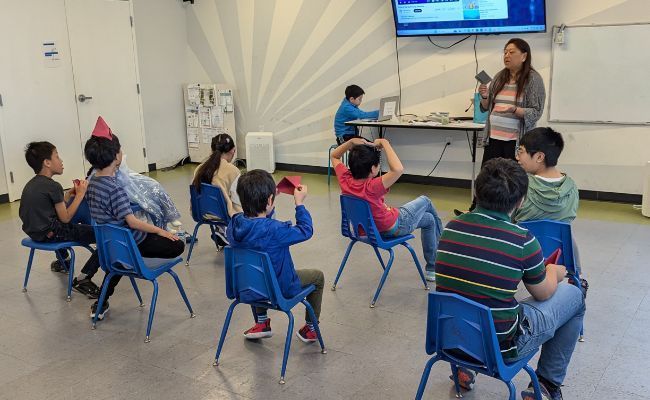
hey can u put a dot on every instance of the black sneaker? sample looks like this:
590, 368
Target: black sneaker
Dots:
93, 310
86, 287
56, 266
547, 394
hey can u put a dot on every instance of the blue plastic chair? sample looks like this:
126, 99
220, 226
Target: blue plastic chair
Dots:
210, 202
461, 332
119, 254
551, 236
56, 247
356, 212
250, 279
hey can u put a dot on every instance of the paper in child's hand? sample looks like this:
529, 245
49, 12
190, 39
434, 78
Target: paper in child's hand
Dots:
288, 184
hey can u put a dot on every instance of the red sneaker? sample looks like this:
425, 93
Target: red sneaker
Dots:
307, 335
260, 330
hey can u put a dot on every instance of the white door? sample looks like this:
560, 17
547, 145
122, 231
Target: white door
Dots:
38, 99
105, 72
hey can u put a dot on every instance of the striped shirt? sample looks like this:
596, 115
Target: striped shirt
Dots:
109, 204
505, 125
482, 256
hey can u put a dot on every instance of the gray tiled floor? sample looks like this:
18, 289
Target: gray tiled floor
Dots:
47, 349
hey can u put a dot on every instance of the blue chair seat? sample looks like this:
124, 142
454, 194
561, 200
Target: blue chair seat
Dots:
56, 247
208, 208
358, 225
251, 272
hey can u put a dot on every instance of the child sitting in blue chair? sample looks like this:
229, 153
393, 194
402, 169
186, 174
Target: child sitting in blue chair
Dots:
362, 181
45, 216
253, 229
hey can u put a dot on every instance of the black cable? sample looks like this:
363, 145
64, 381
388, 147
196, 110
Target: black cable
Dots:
440, 159
449, 47
399, 77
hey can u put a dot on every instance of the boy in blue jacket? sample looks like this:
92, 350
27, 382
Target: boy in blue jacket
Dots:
349, 111
252, 229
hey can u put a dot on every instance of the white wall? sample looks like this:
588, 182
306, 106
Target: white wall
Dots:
161, 37
291, 59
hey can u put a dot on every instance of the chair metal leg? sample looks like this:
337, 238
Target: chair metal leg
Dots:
287, 347
29, 268
314, 321
180, 289
383, 277
70, 272
136, 290
417, 264
329, 165
189, 252
343, 262
513, 391
152, 309
425, 377
102, 298
381, 261
535, 381
224, 331
454, 375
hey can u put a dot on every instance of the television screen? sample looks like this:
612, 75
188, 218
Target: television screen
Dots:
468, 17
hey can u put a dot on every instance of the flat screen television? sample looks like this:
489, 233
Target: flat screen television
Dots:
468, 17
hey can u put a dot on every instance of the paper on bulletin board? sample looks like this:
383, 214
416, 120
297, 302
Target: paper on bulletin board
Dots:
204, 117
193, 137
208, 97
225, 100
208, 134
217, 117
192, 117
193, 95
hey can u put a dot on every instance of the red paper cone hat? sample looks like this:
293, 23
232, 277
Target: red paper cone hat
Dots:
102, 129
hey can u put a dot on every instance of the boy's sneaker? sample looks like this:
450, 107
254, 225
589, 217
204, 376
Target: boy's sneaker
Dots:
430, 276
93, 311
260, 330
466, 378
87, 287
529, 394
56, 266
307, 335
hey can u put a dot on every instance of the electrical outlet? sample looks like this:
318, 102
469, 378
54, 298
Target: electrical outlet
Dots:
449, 140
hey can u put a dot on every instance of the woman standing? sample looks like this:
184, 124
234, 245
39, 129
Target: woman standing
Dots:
514, 100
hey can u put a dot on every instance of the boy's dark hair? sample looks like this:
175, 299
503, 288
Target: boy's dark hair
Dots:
361, 160
36, 153
254, 188
544, 140
353, 91
500, 185
101, 152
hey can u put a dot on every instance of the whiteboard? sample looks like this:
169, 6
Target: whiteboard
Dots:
601, 75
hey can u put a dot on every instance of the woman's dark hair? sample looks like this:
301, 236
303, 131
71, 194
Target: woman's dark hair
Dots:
254, 188
544, 140
500, 185
101, 152
221, 144
361, 160
37, 152
524, 75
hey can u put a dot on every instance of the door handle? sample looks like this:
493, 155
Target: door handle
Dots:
83, 98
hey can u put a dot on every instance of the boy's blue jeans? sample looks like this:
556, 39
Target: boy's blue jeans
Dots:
421, 214
555, 325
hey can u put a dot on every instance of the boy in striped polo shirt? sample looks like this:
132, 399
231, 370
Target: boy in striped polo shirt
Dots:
483, 256
109, 204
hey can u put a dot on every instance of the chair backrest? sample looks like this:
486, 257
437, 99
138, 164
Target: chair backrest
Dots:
118, 252
357, 220
551, 236
250, 277
462, 331
82, 216
209, 201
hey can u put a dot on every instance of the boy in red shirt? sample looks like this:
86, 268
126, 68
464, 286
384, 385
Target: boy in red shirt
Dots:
361, 181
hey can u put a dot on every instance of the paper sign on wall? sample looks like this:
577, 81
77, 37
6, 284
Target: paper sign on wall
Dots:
51, 56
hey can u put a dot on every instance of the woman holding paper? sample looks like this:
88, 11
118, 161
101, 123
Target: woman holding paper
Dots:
515, 101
